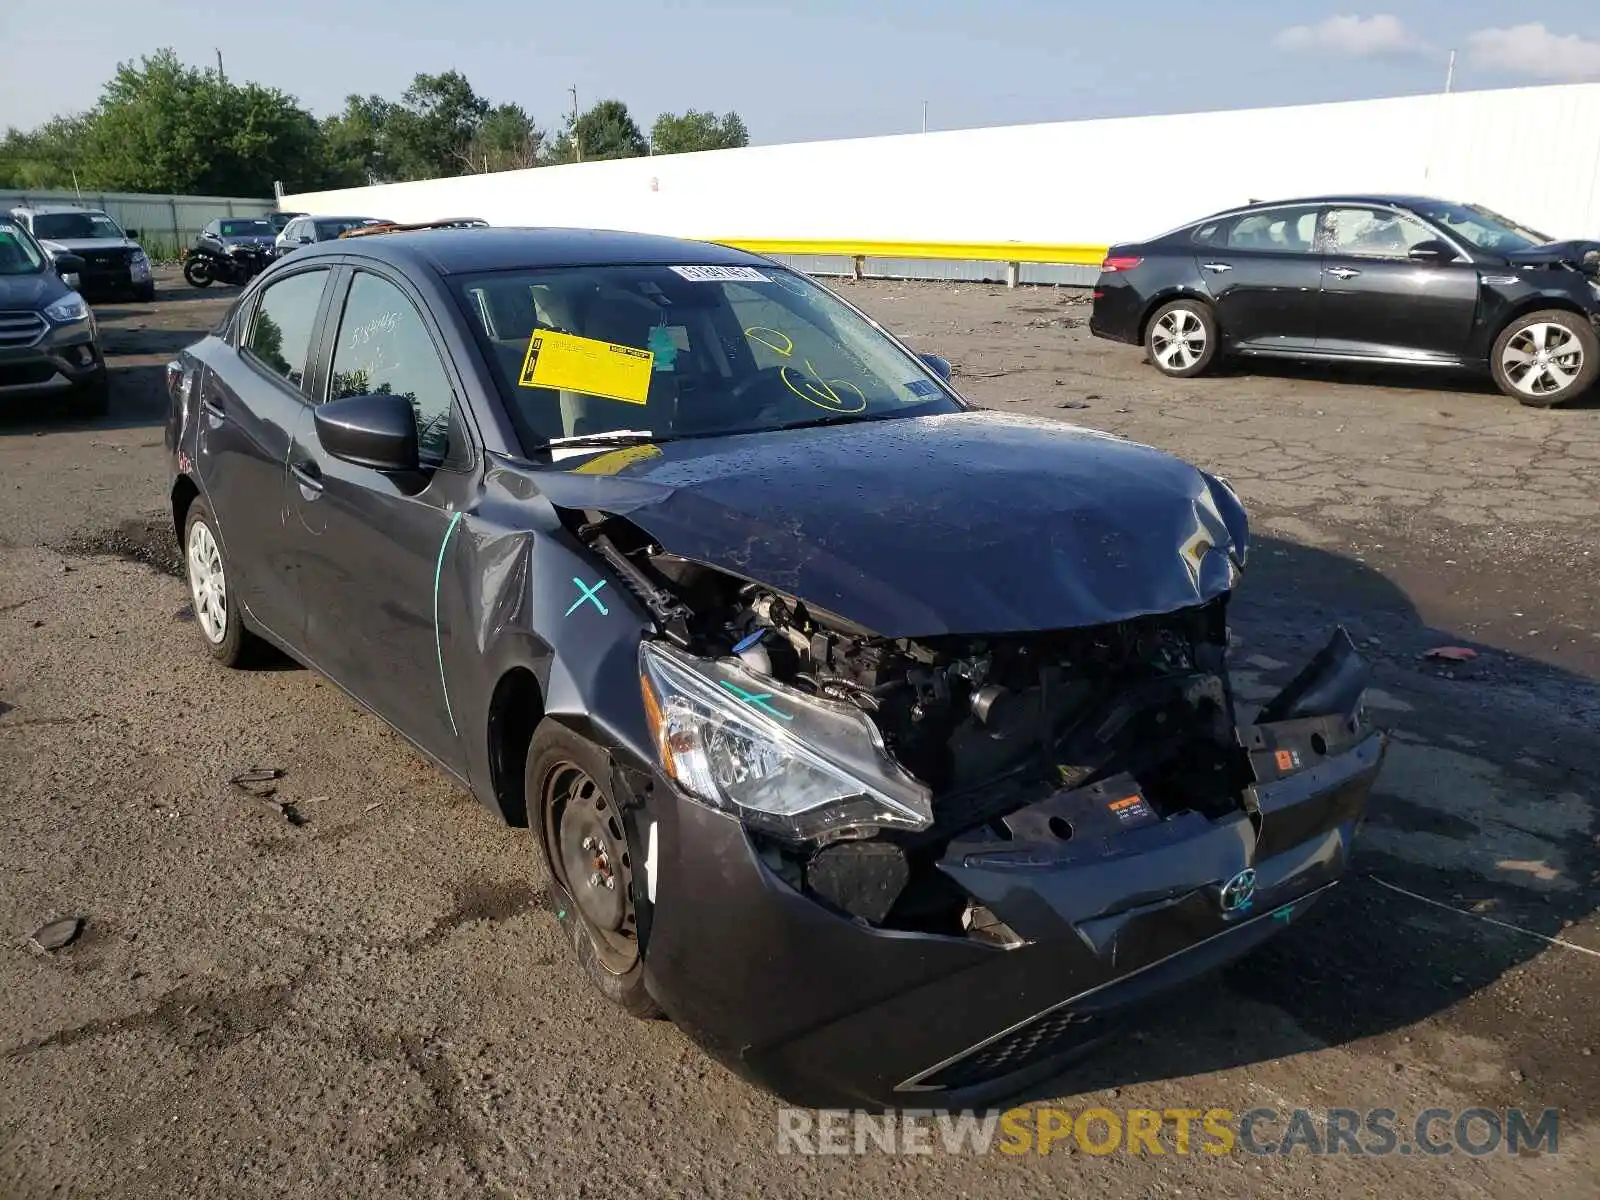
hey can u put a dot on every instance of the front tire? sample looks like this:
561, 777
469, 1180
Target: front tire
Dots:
1546, 357
587, 851
91, 399
1181, 339
145, 293
216, 607
198, 272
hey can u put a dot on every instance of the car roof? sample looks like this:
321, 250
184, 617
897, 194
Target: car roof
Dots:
463, 251
50, 210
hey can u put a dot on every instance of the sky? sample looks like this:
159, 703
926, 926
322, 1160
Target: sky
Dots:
817, 69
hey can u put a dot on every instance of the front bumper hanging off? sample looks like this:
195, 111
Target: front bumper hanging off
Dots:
827, 1010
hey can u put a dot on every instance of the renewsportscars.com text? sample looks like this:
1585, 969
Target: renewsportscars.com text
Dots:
1380, 1132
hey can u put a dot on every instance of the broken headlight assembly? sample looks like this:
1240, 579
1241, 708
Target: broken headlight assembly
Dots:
782, 761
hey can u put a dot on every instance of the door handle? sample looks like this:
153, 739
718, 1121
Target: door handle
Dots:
212, 403
308, 474
1218, 268
1343, 272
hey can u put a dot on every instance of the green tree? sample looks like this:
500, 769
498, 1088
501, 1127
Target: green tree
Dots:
506, 140
430, 132
353, 143
47, 157
163, 127
695, 130
605, 131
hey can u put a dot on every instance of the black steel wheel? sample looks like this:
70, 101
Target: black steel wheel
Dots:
586, 846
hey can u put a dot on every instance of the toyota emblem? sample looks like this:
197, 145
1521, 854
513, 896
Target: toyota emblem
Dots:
1239, 892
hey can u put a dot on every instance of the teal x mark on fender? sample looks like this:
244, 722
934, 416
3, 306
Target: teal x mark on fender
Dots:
587, 593
756, 700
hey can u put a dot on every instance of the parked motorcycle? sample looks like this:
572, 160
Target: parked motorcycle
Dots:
237, 264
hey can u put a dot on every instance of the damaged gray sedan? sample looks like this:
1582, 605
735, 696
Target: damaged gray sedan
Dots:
885, 745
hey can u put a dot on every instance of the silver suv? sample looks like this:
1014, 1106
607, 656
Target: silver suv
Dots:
114, 264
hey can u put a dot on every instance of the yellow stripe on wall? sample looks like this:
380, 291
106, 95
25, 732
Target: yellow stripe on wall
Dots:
1021, 252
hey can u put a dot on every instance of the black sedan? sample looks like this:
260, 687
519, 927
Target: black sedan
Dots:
885, 745
1401, 280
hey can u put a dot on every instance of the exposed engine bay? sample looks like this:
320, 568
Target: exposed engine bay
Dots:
1132, 722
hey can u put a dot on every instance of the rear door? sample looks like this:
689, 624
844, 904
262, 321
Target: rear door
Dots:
370, 548
250, 406
1377, 303
1262, 271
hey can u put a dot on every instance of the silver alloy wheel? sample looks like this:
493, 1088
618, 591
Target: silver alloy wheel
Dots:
1179, 340
207, 584
1542, 359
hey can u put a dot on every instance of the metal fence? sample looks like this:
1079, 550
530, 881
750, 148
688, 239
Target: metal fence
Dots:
165, 224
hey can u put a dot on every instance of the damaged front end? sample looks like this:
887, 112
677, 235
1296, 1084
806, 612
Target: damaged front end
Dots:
1094, 791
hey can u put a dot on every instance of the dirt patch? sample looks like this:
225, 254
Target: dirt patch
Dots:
146, 540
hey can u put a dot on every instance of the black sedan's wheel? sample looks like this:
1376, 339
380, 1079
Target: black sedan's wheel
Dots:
197, 271
1546, 357
591, 863
1181, 338
216, 606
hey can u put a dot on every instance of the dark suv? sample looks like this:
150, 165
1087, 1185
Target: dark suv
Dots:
1406, 280
49, 342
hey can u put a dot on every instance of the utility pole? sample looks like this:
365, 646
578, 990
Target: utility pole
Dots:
221, 74
924, 116
1450, 74
577, 145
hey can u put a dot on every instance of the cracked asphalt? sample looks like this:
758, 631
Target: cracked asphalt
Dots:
377, 1001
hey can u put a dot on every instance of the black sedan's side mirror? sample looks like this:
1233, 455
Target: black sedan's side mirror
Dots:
378, 431
939, 366
1432, 252
133, 234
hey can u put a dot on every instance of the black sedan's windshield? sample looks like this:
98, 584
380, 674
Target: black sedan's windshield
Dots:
1484, 229
18, 254
74, 226
681, 351
250, 228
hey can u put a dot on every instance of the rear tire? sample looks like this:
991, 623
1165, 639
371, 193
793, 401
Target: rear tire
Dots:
1181, 339
580, 829
1546, 358
216, 606
197, 271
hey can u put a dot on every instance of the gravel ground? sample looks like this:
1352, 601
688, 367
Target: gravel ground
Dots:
372, 998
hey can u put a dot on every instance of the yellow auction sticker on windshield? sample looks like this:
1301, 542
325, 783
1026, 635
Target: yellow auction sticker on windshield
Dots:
569, 363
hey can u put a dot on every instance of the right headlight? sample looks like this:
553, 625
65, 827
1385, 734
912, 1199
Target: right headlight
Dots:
777, 758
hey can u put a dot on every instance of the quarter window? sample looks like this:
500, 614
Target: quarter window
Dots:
385, 348
285, 317
1372, 233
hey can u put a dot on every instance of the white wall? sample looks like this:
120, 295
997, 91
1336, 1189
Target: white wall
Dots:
1532, 153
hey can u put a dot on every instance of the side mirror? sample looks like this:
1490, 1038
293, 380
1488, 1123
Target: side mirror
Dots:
1432, 252
132, 234
378, 431
68, 264
306, 239
938, 365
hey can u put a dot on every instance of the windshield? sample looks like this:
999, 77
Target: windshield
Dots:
74, 226
257, 228
18, 254
328, 230
686, 351
1484, 229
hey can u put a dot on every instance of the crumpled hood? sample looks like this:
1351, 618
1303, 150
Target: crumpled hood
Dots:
30, 293
975, 522
1579, 252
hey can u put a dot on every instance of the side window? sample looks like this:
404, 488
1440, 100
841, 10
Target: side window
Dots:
385, 349
281, 328
1372, 233
1207, 233
1284, 230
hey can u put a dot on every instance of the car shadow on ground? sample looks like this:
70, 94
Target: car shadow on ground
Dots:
1411, 379
1367, 962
